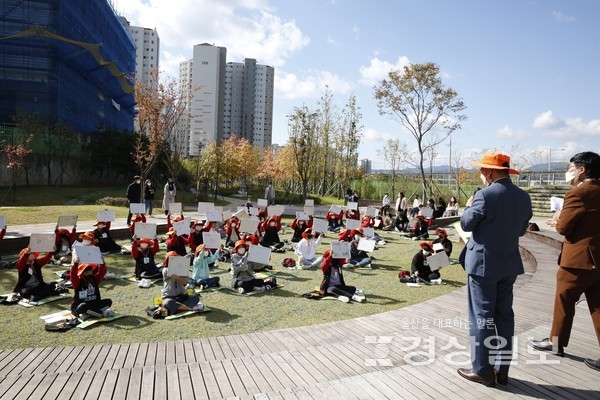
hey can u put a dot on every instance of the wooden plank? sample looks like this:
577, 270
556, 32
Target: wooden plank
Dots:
210, 381
160, 382
135, 383
140, 357
185, 382
151, 354
31, 358
161, 353
43, 386
198, 351
235, 381
262, 374
110, 382
207, 350
56, 387
110, 358
172, 385
147, 386
57, 361
121, 385
83, 386
170, 355
188, 349
94, 364
132, 354
222, 380
296, 367
180, 356
83, 355
122, 356
276, 369
21, 387
250, 383
216, 348
96, 384
225, 348
198, 384
18, 358
70, 360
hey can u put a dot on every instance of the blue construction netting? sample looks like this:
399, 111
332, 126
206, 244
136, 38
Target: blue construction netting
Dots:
72, 61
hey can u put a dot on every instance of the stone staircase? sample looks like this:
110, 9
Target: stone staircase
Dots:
540, 197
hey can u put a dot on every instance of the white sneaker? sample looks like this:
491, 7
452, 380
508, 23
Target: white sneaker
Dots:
110, 275
94, 314
108, 313
357, 299
359, 291
198, 307
241, 290
343, 299
145, 283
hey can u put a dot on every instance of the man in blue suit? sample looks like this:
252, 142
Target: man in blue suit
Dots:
498, 216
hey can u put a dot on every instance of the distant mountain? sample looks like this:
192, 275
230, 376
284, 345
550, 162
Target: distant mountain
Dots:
555, 166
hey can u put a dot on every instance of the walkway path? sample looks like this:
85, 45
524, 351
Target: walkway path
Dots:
409, 353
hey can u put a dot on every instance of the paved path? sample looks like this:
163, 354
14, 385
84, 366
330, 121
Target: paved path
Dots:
409, 353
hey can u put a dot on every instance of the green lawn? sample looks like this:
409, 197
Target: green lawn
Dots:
231, 314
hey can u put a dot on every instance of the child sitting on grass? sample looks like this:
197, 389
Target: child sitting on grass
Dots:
174, 295
86, 279
30, 284
333, 283
201, 273
242, 276
143, 252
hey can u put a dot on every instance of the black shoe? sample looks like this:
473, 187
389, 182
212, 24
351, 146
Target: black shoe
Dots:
471, 375
501, 378
593, 364
546, 345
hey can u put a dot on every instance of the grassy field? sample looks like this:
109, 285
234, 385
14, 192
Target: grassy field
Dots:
231, 314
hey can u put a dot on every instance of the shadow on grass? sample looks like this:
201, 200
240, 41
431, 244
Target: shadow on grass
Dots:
128, 322
291, 277
455, 284
384, 300
220, 316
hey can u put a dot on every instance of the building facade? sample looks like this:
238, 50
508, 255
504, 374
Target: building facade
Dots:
147, 50
223, 100
249, 102
68, 61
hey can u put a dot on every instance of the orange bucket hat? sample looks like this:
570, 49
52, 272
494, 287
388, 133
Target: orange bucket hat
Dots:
87, 235
441, 230
496, 160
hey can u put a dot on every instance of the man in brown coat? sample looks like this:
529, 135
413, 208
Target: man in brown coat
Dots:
579, 260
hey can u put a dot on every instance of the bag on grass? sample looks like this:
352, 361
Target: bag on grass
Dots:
62, 325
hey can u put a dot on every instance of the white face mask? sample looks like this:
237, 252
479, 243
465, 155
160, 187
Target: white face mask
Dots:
241, 251
272, 224
426, 253
206, 253
100, 226
198, 228
570, 176
138, 181
143, 246
233, 225
484, 180
86, 242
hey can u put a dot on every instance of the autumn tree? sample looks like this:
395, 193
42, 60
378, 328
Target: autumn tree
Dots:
418, 99
327, 130
393, 153
302, 127
160, 106
15, 152
347, 140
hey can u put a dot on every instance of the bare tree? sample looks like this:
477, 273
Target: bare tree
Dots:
417, 98
394, 153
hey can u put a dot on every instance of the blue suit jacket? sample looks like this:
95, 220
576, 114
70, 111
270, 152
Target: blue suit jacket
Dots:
498, 217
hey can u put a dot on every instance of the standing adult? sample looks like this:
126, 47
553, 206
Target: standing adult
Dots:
401, 222
498, 217
169, 196
579, 272
270, 194
134, 194
149, 191
385, 204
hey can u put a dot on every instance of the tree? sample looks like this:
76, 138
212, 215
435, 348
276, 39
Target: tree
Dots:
393, 153
327, 130
15, 154
347, 140
417, 98
160, 106
302, 128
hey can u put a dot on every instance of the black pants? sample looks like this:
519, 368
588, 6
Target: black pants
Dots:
94, 305
342, 290
248, 286
39, 292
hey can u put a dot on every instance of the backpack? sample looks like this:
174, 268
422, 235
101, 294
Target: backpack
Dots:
157, 312
405, 277
289, 263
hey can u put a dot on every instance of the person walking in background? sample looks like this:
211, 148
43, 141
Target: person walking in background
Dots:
134, 194
169, 196
579, 272
149, 191
499, 215
270, 194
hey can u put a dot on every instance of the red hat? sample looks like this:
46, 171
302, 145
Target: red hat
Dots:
169, 254
178, 218
63, 232
495, 160
327, 253
24, 251
199, 249
359, 231
88, 235
196, 223
441, 230
427, 244
238, 244
82, 267
307, 231
145, 240
170, 231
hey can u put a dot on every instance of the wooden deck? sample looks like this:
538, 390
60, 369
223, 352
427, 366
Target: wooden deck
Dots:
410, 353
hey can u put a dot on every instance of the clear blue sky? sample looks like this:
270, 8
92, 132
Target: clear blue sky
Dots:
526, 70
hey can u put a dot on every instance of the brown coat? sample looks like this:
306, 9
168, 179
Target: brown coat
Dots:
579, 222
